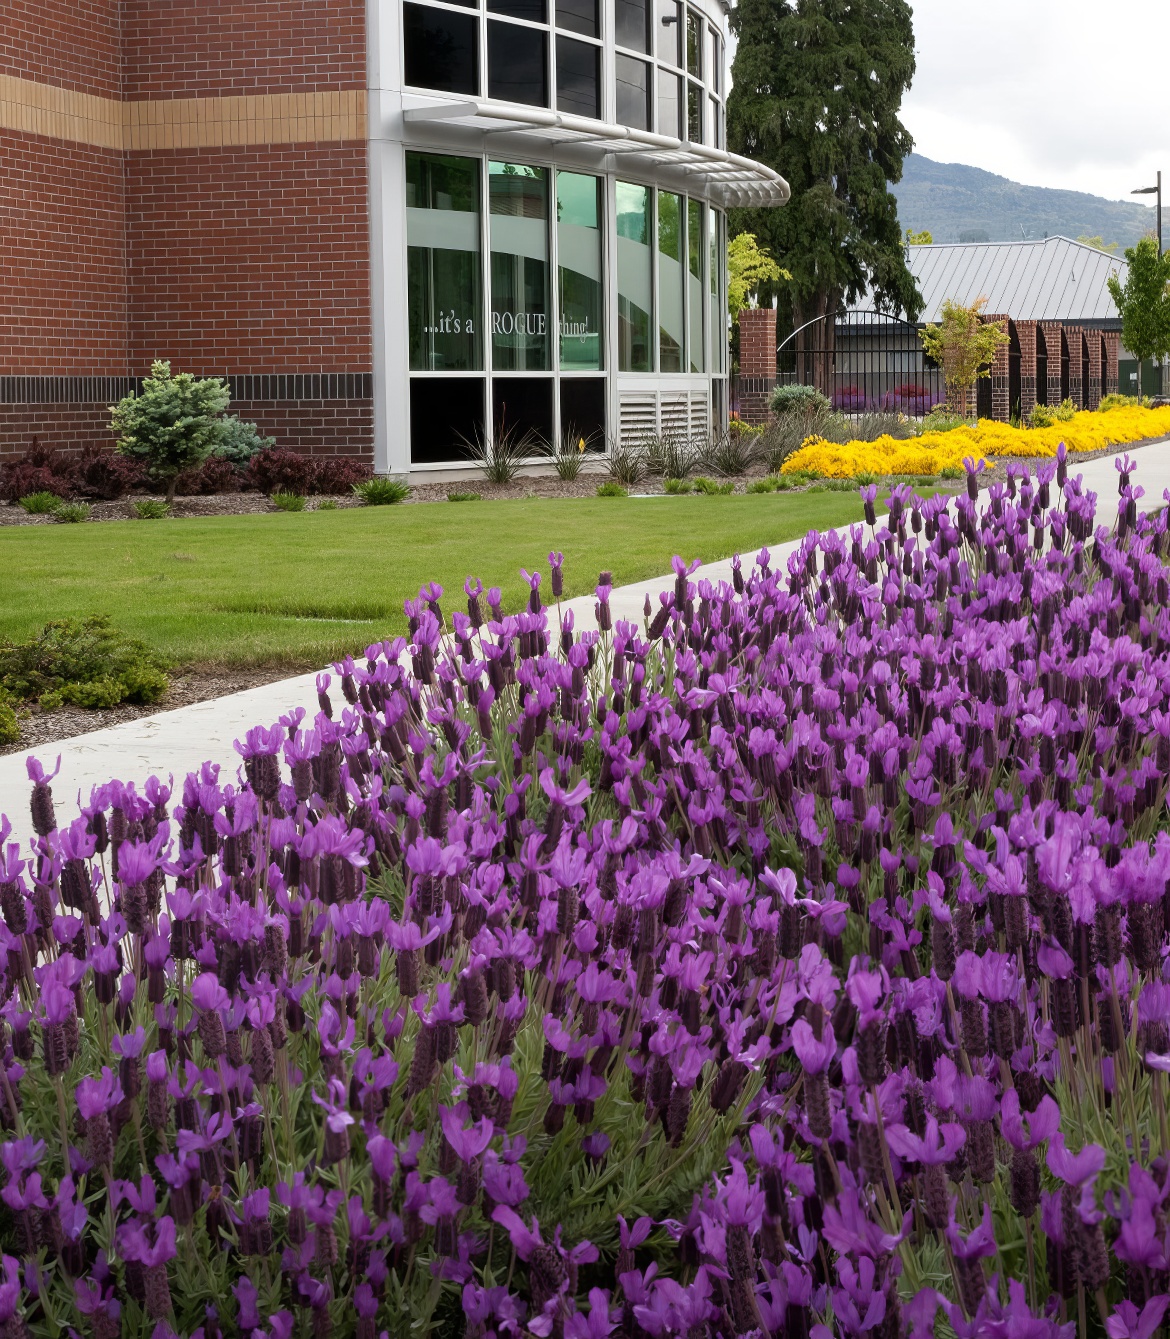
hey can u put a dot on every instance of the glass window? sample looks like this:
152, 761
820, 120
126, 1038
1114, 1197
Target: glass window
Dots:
532, 10
578, 77
446, 418
716, 80
523, 406
518, 206
669, 105
716, 263
634, 257
695, 100
443, 263
670, 282
694, 44
695, 284
578, 16
580, 279
670, 32
633, 92
441, 49
633, 24
583, 412
517, 64
716, 124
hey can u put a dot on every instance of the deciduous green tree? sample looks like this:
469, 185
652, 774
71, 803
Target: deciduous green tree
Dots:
1144, 302
173, 425
963, 344
923, 238
816, 90
748, 266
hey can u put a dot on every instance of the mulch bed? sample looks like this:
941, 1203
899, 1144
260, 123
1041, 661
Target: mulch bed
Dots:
187, 686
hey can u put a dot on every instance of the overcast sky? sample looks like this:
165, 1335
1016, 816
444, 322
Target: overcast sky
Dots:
1061, 93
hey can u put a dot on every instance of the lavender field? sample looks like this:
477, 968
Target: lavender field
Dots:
792, 964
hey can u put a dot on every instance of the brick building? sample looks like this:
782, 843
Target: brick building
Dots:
388, 223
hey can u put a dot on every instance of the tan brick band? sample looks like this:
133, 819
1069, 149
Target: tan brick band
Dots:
181, 123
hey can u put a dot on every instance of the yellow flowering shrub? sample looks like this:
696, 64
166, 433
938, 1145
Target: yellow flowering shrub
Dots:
933, 451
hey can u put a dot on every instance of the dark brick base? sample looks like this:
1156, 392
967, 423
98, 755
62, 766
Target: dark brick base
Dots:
317, 415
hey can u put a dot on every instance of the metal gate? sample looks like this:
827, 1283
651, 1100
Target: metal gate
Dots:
867, 360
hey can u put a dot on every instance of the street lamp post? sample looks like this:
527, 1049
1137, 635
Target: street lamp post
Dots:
1154, 190
1151, 190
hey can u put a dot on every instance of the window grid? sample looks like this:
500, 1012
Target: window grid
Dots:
684, 44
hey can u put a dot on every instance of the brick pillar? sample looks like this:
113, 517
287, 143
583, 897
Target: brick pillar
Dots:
1000, 385
1109, 371
1052, 332
1093, 390
757, 362
1026, 334
1076, 391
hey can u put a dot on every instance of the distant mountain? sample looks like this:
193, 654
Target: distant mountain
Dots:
965, 204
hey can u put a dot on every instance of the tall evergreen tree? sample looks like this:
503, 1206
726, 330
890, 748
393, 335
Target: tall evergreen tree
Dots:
817, 86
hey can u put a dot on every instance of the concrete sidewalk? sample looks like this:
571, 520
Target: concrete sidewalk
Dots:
179, 741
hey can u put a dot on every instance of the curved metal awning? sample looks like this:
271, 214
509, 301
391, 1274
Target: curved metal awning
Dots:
727, 176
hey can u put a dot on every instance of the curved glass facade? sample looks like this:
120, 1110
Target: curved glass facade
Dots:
551, 290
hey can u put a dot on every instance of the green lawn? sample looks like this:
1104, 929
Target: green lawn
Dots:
296, 590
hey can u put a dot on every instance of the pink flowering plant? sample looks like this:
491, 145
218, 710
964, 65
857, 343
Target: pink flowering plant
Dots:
790, 964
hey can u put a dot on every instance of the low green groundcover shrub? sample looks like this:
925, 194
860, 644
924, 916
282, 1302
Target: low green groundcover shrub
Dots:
678, 486
381, 492
70, 513
612, 489
464, 497
797, 399
41, 503
150, 509
288, 501
711, 488
9, 725
82, 661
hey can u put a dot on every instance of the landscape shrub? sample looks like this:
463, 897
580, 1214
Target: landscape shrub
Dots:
381, 491
288, 501
711, 487
941, 419
564, 983
869, 427
611, 488
677, 486
453, 496
276, 469
338, 474
1044, 416
931, 452
569, 453
72, 652
910, 398
326, 504
502, 451
1116, 401
851, 400
736, 425
9, 724
794, 399
627, 465
150, 509
38, 470
239, 442
40, 504
173, 425
729, 454
213, 477
102, 475
765, 485
71, 513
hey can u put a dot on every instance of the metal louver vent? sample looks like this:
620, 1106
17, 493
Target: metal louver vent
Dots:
639, 415
698, 414
674, 415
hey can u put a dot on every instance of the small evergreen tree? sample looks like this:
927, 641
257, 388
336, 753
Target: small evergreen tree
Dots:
1144, 303
963, 344
173, 425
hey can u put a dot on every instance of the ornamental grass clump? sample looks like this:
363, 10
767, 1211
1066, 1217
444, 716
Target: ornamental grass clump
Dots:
789, 964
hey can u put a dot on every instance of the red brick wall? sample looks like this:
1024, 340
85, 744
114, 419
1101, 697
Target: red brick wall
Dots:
188, 48
250, 259
315, 427
69, 43
62, 258
65, 427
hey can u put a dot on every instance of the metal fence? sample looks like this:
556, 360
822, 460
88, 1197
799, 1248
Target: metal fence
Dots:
864, 361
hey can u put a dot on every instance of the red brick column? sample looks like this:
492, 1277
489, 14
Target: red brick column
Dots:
1026, 334
757, 362
1000, 393
1052, 333
1109, 371
1093, 390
